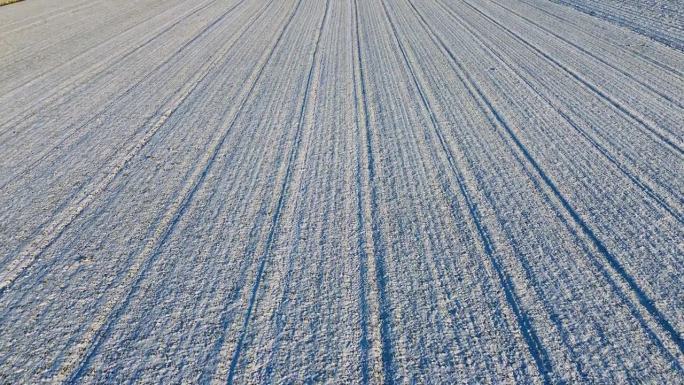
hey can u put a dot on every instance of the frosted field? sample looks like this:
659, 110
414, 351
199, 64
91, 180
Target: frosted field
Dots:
328, 191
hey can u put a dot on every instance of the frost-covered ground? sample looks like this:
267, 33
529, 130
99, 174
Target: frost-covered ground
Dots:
361, 191
661, 20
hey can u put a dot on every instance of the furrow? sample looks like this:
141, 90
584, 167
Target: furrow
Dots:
666, 196
644, 299
72, 84
282, 194
15, 265
668, 137
77, 361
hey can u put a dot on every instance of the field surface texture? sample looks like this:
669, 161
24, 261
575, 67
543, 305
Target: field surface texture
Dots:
351, 192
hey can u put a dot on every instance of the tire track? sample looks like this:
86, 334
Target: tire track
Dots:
616, 266
82, 353
275, 220
612, 16
558, 108
649, 126
442, 297
53, 44
432, 358
68, 32
595, 257
75, 129
226, 157
292, 294
595, 57
445, 299
600, 267
103, 67
373, 239
50, 15
236, 37
114, 309
477, 215
662, 65
32, 250
527, 330
212, 372
360, 185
